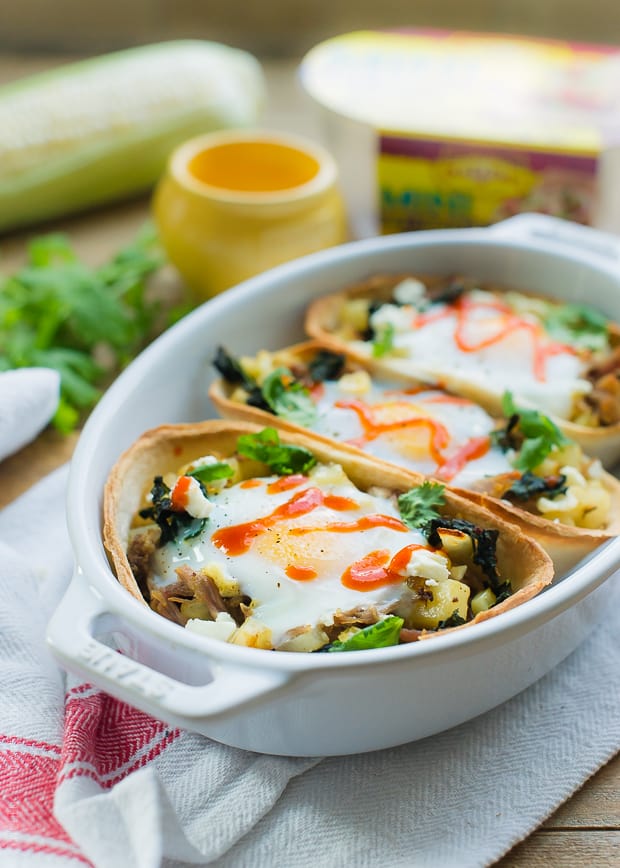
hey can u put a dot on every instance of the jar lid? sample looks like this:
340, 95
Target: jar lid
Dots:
473, 86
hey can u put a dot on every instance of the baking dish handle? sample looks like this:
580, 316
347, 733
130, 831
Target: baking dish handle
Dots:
70, 636
561, 234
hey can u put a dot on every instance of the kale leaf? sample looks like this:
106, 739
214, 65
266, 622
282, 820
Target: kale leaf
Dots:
455, 620
530, 485
326, 366
265, 446
484, 541
232, 371
453, 291
175, 525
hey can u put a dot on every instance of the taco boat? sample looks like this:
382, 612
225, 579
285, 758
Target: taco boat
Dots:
523, 463
288, 543
476, 339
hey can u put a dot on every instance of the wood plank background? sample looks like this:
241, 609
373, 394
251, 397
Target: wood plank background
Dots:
286, 27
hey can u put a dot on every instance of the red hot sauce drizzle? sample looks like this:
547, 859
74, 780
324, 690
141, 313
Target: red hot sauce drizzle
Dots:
447, 468
371, 572
464, 307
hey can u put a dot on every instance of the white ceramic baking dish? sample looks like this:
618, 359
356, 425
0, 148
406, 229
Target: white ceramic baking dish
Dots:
320, 704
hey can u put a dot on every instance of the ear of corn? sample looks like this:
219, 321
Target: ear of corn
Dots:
101, 129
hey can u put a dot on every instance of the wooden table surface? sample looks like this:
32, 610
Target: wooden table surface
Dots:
585, 831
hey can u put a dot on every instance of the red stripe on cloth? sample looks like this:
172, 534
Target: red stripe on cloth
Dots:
81, 688
106, 735
27, 784
48, 849
141, 761
30, 742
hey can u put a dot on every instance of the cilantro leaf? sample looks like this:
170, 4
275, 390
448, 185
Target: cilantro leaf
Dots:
537, 434
288, 398
281, 458
383, 341
578, 325
58, 312
418, 506
380, 635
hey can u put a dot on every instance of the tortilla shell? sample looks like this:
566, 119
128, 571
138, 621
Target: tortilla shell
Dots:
166, 448
566, 545
322, 322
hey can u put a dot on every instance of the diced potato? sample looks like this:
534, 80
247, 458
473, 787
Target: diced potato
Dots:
222, 628
595, 504
195, 609
239, 395
355, 314
310, 640
356, 383
449, 597
253, 634
329, 474
456, 544
483, 601
346, 634
258, 366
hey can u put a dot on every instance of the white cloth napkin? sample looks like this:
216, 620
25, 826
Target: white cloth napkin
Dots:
86, 779
28, 400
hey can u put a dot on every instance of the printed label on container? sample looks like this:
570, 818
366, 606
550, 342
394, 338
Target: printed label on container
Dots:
434, 183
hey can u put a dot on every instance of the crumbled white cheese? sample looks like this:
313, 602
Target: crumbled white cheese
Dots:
572, 475
428, 565
595, 470
214, 485
196, 504
409, 291
399, 318
483, 296
356, 383
200, 462
431, 583
565, 503
582, 387
222, 628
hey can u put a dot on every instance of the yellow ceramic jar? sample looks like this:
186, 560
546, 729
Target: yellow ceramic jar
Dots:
237, 202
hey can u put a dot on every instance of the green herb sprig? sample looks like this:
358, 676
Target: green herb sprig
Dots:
85, 322
418, 506
531, 433
383, 634
281, 458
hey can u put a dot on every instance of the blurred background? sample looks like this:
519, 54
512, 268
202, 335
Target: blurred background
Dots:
283, 28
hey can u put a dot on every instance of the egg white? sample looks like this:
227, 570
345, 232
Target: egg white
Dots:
505, 364
462, 420
282, 603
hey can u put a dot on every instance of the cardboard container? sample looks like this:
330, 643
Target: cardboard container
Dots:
451, 129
